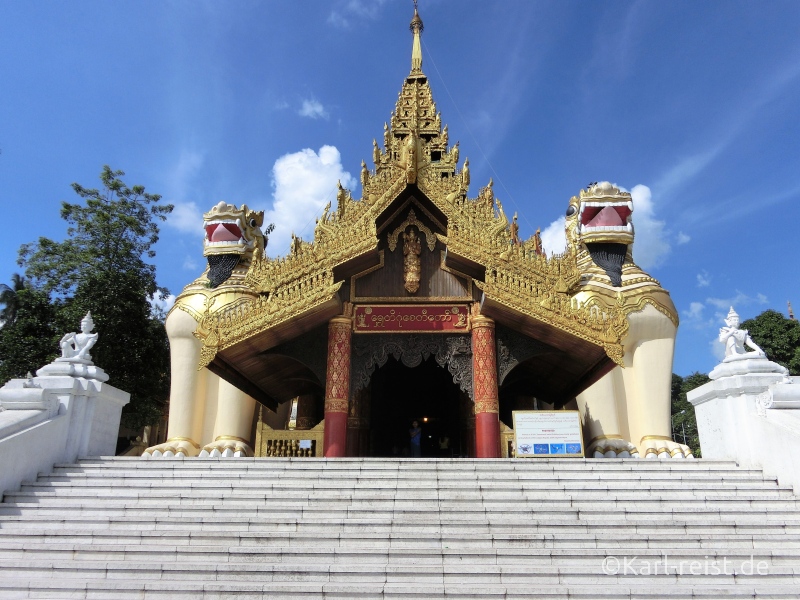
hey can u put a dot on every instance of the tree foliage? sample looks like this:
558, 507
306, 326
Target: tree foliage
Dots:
101, 267
778, 336
112, 233
684, 422
9, 298
132, 347
30, 340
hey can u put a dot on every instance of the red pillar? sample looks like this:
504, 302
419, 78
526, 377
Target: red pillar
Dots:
484, 386
337, 386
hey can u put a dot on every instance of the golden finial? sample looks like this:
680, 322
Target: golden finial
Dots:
416, 49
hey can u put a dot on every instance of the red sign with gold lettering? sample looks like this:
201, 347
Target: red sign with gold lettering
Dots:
428, 318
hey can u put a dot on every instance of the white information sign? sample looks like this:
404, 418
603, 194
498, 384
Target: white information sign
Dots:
547, 433
305, 444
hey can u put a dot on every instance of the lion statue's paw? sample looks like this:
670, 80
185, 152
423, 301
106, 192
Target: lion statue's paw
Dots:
176, 448
226, 447
657, 447
613, 448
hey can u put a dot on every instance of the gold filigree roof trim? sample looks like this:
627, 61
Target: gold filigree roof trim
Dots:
225, 328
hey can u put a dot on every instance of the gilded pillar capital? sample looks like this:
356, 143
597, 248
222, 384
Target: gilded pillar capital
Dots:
482, 321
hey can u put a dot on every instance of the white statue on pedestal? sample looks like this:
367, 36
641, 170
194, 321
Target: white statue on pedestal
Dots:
735, 340
738, 360
75, 360
76, 346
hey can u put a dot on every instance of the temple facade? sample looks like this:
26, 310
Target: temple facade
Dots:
419, 302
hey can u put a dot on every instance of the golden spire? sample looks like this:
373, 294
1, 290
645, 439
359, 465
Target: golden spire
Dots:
791, 314
416, 49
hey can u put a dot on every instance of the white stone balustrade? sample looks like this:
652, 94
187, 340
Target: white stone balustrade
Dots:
66, 412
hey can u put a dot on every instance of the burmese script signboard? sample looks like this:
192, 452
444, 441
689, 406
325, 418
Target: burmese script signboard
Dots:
427, 318
547, 433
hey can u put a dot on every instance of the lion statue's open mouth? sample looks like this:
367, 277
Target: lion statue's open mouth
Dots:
231, 234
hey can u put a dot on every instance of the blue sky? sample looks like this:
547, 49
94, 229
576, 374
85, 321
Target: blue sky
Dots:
691, 105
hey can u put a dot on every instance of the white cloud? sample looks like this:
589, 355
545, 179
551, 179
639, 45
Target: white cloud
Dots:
160, 306
696, 317
190, 264
338, 20
717, 349
687, 169
303, 183
313, 109
554, 239
695, 311
683, 238
362, 9
186, 217
740, 299
703, 279
650, 246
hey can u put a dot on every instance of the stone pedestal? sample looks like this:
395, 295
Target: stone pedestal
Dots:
484, 385
337, 386
750, 413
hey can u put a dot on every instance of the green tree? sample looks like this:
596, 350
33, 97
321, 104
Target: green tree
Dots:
30, 340
9, 298
778, 336
101, 266
112, 233
132, 346
684, 422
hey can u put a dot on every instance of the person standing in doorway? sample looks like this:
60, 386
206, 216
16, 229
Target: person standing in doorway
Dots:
416, 440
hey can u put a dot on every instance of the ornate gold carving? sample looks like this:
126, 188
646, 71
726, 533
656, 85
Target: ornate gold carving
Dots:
411, 264
222, 329
335, 405
486, 406
417, 206
430, 238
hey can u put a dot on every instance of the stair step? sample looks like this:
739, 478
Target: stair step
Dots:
375, 528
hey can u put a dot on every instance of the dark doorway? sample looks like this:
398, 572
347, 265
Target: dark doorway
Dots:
427, 394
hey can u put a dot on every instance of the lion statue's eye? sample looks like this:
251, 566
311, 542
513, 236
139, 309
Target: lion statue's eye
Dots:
571, 210
252, 222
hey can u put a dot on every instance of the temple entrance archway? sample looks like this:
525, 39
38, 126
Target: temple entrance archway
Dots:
398, 378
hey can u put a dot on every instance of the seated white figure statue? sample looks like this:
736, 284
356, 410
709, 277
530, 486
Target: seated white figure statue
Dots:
736, 339
76, 346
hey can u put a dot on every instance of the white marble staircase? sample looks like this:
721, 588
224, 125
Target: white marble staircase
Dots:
381, 528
